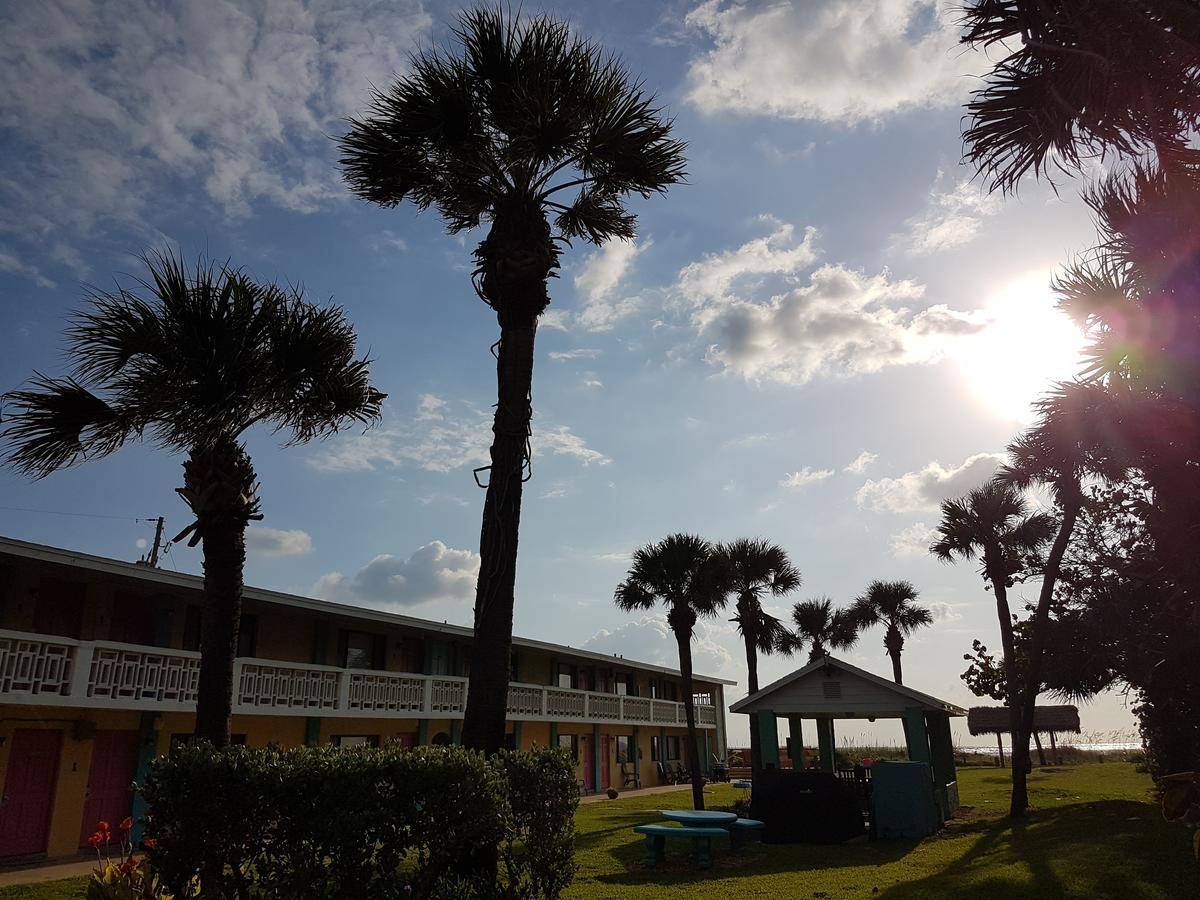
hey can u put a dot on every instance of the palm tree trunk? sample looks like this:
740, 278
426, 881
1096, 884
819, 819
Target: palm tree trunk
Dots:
894, 643
1020, 791
487, 691
689, 705
752, 687
1041, 623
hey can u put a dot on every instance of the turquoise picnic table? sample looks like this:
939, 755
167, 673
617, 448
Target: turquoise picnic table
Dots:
699, 818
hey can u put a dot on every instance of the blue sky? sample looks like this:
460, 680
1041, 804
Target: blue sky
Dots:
828, 330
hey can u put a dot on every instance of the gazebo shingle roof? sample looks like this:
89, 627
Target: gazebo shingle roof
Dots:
994, 719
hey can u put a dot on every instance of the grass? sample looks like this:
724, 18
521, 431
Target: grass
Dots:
1094, 833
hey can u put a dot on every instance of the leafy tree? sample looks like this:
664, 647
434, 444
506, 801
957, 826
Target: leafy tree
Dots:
495, 135
755, 568
992, 523
686, 574
893, 605
823, 628
192, 359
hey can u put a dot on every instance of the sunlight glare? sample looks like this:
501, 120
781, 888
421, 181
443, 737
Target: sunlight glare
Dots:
1026, 347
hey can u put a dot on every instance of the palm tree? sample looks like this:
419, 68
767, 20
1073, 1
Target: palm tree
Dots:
823, 627
496, 135
756, 567
192, 359
892, 604
992, 523
687, 575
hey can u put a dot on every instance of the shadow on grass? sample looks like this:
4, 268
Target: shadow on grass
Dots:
1106, 849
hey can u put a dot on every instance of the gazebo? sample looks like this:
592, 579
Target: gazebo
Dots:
828, 689
1050, 720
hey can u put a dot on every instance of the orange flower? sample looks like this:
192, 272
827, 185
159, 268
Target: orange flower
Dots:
101, 826
149, 843
126, 823
128, 866
95, 839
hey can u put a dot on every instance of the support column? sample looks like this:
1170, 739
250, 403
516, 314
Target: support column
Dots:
147, 749
796, 733
554, 734
768, 732
596, 779
707, 755
825, 745
312, 731
637, 756
422, 732
916, 736
456, 732
516, 735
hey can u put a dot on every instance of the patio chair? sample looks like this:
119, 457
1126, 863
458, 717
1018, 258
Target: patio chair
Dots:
629, 777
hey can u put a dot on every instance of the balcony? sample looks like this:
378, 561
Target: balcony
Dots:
52, 671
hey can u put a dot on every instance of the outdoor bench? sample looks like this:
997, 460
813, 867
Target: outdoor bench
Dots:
701, 838
740, 830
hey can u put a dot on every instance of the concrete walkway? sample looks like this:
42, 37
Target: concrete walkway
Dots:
48, 871
640, 792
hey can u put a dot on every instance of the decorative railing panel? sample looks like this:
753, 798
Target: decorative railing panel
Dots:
635, 709
384, 692
563, 704
301, 688
32, 666
524, 700
119, 672
448, 696
604, 706
664, 711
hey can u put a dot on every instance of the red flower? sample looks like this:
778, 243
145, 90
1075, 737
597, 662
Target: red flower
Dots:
101, 826
128, 866
126, 823
149, 843
95, 839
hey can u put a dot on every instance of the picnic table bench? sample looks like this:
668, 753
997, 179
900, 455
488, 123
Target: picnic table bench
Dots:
700, 836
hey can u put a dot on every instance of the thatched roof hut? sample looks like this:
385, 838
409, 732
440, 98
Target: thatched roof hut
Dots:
1046, 719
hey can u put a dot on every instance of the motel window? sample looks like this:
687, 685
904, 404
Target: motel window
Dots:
411, 658
702, 699
566, 676
355, 740
672, 746
362, 650
655, 749
622, 684
570, 743
623, 755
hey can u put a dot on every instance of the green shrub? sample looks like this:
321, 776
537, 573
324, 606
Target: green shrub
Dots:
363, 822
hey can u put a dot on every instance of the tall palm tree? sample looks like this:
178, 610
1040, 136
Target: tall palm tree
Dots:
686, 574
756, 567
993, 524
893, 605
495, 135
192, 359
823, 628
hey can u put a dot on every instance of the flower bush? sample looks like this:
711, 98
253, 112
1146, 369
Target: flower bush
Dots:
363, 822
121, 877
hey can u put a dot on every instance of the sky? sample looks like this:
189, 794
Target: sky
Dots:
829, 329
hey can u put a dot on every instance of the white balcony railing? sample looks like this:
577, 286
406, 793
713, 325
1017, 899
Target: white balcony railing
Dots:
43, 670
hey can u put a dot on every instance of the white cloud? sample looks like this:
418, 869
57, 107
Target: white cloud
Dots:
437, 579
10, 262
650, 640
264, 541
805, 477
954, 216
944, 612
441, 437
859, 464
598, 280
554, 318
842, 322
913, 540
778, 253
578, 353
388, 240
828, 60
107, 106
926, 488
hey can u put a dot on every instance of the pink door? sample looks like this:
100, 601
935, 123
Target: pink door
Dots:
29, 791
589, 762
110, 779
605, 747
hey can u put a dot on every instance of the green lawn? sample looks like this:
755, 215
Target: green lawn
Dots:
1094, 834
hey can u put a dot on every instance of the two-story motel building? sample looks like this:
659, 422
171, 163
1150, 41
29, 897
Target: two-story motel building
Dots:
99, 664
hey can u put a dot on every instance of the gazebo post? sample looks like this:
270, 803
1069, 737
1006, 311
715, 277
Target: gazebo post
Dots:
825, 744
796, 732
1000, 746
768, 732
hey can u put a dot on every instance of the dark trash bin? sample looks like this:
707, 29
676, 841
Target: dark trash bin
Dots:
805, 807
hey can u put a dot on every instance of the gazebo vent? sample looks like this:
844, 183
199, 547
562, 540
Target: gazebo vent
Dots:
832, 690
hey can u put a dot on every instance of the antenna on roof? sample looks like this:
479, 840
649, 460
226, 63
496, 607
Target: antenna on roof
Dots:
151, 559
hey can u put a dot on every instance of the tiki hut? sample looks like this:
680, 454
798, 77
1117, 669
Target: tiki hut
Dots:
1052, 720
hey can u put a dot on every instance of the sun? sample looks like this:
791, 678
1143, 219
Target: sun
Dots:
1027, 346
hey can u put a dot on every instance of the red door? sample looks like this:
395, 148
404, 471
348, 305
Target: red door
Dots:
605, 747
109, 793
29, 791
589, 762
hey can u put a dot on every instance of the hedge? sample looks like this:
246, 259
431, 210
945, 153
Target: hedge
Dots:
362, 822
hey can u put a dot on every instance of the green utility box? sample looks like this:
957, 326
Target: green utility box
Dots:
903, 802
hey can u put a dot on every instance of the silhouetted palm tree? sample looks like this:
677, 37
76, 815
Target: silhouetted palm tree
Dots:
686, 574
992, 523
756, 567
192, 360
892, 604
823, 628
494, 135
